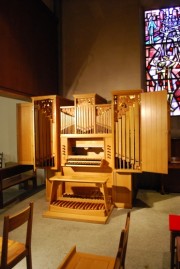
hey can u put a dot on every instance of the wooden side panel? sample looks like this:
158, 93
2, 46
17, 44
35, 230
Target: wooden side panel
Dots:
154, 132
122, 190
25, 143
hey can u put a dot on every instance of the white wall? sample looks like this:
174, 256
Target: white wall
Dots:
8, 135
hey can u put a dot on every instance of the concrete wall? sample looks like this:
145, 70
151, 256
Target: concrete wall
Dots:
103, 45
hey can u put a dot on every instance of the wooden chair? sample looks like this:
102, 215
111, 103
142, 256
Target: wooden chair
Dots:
125, 240
1, 159
118, 260
83, 260
178, 252
174, 228
12, 251
121, 254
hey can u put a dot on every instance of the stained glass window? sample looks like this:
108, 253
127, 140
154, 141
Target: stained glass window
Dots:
162, 53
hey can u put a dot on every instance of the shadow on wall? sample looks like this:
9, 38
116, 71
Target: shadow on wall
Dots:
87, 18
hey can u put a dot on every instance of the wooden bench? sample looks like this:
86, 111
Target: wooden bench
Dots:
15, 175
82, 260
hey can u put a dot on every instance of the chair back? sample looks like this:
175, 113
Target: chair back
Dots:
125, 240
178, 252
1, 159
11, 223
121, 254
118, 261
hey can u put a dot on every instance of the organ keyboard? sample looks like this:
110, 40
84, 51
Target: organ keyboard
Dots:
74, 160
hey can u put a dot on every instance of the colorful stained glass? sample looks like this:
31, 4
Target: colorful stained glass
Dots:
162, 53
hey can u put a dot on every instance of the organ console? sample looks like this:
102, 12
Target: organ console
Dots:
86, 132
95, 146
85, 151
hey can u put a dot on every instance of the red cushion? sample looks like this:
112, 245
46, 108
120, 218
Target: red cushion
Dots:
174, 223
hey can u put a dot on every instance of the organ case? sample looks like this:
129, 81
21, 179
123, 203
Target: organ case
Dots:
38, 126
92, 138
140, 131
140, 139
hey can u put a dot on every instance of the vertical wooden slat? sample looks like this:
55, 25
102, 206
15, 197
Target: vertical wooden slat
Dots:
25, 141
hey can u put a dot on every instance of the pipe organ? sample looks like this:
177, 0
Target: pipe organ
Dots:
89, 146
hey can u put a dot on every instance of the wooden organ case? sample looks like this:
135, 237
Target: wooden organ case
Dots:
38, 131
140, 139
38, 141
91, 148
